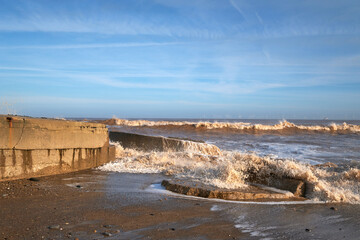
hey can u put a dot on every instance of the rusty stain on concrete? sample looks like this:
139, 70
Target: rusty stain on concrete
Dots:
2, 162
73, 159
27, 161
79, 157
9, 119
61, 154
13, 156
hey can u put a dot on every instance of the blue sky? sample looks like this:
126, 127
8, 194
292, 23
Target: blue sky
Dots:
181, 59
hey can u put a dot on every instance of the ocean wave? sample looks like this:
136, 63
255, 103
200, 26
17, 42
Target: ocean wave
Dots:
232, 169
282, 127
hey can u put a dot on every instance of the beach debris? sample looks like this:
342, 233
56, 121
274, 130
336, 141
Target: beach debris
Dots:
333, 208
107, 226
307, 230
78, 186
172, 229
54, 227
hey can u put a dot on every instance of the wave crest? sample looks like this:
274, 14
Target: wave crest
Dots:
282, 127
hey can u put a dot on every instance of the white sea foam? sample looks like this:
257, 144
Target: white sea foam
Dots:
252, 228
231, 169
215, 208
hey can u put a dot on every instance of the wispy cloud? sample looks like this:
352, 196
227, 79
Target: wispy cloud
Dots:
164, 81
26, 69
238, 9
97, 45
45, 19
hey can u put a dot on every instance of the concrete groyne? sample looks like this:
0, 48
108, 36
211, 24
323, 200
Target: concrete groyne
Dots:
34, 146
161, 144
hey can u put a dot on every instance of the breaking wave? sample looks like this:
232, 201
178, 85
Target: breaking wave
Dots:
282, 127
232, 169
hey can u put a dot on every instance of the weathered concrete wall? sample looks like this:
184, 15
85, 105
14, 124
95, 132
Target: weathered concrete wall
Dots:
34, 147
145, 143
152, 143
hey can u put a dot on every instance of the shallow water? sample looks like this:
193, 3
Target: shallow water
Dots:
259, 220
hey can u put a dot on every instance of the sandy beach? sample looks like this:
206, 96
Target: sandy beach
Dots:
96, 205
99, 205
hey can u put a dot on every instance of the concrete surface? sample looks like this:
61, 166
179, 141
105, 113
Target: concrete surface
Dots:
35, 147
162, 144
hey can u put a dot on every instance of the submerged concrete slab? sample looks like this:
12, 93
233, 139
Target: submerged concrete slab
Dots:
295, 186
35, 147
250, 193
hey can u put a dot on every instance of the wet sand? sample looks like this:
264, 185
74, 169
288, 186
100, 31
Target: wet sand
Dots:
96, 205
101, 205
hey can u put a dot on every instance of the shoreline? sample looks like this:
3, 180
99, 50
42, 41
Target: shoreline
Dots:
91, 204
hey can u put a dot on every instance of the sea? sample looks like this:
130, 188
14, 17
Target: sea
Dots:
324, 153
222, 153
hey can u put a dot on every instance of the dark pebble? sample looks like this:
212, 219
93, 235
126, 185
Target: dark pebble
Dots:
55, 227
308, 230
197, 204
152, 214
106, 234
33, 179
172, 229
107, 226
78, 186
333, 208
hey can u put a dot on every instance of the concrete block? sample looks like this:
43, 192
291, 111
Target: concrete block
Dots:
32, 147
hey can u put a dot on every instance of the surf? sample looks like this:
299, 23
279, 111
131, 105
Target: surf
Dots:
234, 170
283, 127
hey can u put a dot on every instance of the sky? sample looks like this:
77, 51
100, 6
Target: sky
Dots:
180, 58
